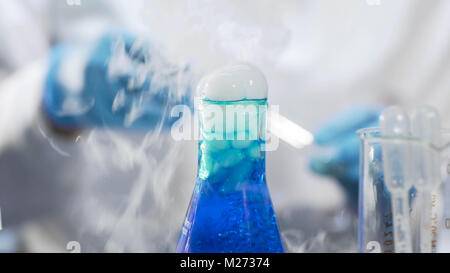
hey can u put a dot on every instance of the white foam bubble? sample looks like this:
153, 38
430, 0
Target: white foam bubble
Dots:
234, 82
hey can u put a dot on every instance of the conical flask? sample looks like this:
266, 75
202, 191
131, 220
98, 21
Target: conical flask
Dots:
231, 210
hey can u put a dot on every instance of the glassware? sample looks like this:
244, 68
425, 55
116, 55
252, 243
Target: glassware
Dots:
376, 227
231, 210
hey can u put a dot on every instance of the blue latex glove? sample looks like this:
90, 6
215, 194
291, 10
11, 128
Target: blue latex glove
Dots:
131, 96
339, 137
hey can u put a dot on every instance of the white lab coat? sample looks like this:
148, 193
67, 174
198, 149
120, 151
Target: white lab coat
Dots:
319, 57
39, 173
29, 27
28, 30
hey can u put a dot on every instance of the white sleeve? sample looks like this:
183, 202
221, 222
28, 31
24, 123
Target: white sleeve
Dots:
20, 101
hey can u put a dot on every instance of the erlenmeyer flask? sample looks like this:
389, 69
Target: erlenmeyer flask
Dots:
231, 210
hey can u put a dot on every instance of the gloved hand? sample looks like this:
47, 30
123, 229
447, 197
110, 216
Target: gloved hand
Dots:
341, 144
121, 83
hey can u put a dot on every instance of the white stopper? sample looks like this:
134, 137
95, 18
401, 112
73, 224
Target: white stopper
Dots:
234, 82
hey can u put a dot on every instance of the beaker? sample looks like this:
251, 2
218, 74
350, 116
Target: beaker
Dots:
231, 210
443, 228
376, 232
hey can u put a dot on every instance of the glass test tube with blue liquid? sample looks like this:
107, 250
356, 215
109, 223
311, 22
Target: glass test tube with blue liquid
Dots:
231, 210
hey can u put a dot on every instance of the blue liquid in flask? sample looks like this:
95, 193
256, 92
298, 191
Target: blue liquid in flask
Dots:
231, 210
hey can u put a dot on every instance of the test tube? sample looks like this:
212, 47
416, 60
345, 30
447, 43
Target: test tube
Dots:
426, 126
394, 122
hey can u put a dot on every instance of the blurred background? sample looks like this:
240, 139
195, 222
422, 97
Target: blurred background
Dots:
87, 162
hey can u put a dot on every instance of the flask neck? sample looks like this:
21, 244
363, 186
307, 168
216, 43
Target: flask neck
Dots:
232, 142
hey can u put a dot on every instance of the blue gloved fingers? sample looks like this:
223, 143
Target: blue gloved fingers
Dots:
139, 51
136, 99
59, 103
341, 161
123, 43
123, 56
346, 124
137, 111
136, 105
142, 67
118, 90
341, 144
346, 154
343, 165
